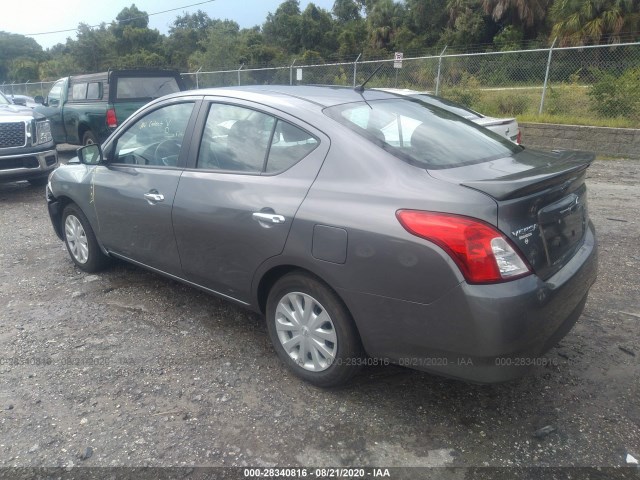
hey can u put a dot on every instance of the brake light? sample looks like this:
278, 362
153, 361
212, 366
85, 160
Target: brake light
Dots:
112, 121
519, 137
483, 254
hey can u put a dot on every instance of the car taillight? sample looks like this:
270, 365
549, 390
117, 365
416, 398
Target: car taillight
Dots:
112, 121
483, 254
519, 137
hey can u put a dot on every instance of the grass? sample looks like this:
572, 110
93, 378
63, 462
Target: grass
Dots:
568, 104
575, 120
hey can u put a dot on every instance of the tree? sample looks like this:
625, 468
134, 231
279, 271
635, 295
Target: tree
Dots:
317, 31
383, 18
346, 11
517, 12
468, 24
283, 28
132, 33
583, 22
93, 49
187, 35
13, 47
222, 48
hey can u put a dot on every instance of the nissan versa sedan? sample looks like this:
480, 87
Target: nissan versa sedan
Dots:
365, 226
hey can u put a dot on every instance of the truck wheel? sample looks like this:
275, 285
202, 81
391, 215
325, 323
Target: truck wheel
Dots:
89, 138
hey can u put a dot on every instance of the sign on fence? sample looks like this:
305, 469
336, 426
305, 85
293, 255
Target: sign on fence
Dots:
397, 60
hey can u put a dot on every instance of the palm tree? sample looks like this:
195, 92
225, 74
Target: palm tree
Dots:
580, 22
524, 12
383, 18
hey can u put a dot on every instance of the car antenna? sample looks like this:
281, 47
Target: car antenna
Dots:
360, 88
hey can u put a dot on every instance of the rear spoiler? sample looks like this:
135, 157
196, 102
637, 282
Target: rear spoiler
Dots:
565, 165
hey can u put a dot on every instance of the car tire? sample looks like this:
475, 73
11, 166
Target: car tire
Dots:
328, 351
80, 240
88, 138
38, 181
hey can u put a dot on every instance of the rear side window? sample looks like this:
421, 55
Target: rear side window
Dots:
422, 134
239, 139
79, 91
93, 91
86, 91
289, 145
128, 88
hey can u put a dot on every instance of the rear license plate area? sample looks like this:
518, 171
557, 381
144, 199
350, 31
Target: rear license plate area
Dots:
563, 224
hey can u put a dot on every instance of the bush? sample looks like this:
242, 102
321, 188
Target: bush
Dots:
512, 105
615, 96
466, 92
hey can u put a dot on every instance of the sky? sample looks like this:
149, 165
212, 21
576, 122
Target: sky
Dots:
35, 16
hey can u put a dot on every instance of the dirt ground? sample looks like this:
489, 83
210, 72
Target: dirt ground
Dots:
129, 369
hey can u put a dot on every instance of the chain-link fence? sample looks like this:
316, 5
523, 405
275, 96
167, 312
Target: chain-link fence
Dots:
597, 84
591, 84
30, 89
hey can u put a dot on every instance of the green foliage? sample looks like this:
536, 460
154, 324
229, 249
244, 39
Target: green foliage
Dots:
617, 96
580, 22
466, 91
512, 105
16, 48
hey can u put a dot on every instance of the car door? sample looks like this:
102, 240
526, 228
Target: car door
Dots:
133, 194
53, 110
236, 202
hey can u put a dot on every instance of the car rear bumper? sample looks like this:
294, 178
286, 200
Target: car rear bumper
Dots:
479, 333
27, 165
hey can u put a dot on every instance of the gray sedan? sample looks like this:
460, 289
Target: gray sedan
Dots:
365, 226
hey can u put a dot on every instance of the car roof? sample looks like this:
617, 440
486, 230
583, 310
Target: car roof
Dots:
323, 96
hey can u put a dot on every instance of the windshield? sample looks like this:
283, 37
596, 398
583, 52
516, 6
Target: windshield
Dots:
422, 134
4, 100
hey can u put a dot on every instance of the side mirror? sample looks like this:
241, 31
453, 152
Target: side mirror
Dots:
39, 99
20, 101
90, 154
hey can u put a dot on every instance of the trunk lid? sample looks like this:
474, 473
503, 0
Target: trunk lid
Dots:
541, 197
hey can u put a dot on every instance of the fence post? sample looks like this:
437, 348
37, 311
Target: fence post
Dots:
546, 77
197, 79
241, 67
439, 65
291, 71
355, 69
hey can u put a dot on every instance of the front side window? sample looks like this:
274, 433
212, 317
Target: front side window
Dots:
55, 94
156, 138
238, 139
422, 134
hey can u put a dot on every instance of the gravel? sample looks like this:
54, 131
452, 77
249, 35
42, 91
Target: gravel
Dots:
127, 368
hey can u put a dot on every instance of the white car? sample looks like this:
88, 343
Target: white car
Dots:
507, 127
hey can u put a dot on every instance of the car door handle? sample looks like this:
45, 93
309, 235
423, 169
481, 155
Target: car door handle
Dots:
268, 218
152, 197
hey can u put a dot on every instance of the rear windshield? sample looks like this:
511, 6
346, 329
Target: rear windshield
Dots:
448, 105
145, 87
422, 134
